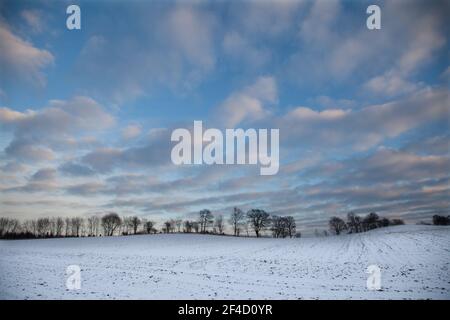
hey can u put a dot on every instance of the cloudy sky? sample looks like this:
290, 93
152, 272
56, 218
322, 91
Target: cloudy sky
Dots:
86, 115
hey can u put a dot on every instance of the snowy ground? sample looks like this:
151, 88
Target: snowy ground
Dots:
415, 264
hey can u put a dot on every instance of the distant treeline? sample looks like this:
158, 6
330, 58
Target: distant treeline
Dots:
357, 224
111, 224
253, 222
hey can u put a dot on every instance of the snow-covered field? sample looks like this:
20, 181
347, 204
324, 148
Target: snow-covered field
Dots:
414, 262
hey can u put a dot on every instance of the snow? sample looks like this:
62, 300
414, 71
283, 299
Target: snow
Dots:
414, 262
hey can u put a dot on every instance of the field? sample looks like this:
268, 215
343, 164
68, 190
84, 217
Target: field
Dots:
414, 263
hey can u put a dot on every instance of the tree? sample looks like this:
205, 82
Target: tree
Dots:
371, 221
354, 223
43, 227
179, 223
77, 224
258, 219
168, 226
441, 220
135, 223
110, 222
59, 226
67, 223
8, 225
398, 222
219, 224
195, 226
236, 219
93, 225
337, 225
188, 226
277, 227
149, 226
205, 219
290, 226
283, 226
385, 222
126, 226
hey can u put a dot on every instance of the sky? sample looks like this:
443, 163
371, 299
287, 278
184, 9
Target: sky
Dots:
86, 115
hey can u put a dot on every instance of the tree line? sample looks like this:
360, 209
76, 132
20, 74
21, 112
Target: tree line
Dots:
242, 223
255, 220
357, 224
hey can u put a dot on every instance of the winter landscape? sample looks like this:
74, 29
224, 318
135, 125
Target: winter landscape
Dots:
294, 149
414, 263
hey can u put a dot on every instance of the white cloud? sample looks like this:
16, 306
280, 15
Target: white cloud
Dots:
249, 104
191, 33
19, 59
131, 131
391, 83
35, 132
366, 127
34, 19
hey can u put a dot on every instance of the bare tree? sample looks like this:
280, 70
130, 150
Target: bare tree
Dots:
59, 226
290, 226
354, 223
4, 225
188, 226
219, 224
283, 227
205, 219
195, 226
278, 227
127, 225
93, 225
179, 224
259, 220
168, 226
149, 226
29, 226
110, 223
8, 225
77, 224
135, 223
337, 225
371, 221
236, 219
43, 227
67, 223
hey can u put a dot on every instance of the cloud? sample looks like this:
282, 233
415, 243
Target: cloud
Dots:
369, 125
265, 18
46, 174
322, 16
131, 131
153, 152
43, 180
176, 51
34, 19
241, 50
248, 104
86, 189
390, 83
437, 145
20, 60
190, 32
36, 132
75, 169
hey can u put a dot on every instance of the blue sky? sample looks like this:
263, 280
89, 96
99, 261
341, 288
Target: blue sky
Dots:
86, 114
